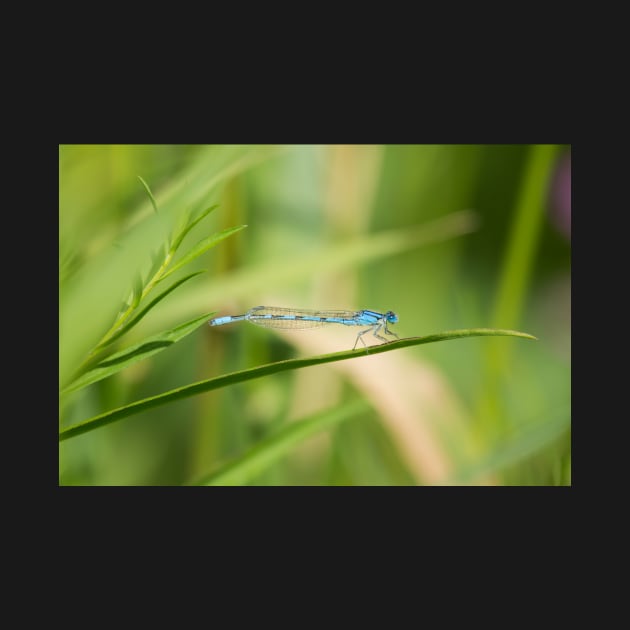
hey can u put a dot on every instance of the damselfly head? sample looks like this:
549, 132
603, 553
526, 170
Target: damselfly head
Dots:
391, 317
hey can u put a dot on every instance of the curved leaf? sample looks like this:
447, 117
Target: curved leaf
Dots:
137, 352
151, 197
129, 325
201, 247
189, 223
271, 368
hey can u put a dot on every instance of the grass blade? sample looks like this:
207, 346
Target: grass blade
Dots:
137, 352
89, 299
271, 368
136, 294
516, 270
189, 224
269, 450
127, 327
151, 197
201, 247
524, 235
158, 259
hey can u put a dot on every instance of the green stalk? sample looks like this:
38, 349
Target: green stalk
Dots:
124, 316
271, 368
517, 268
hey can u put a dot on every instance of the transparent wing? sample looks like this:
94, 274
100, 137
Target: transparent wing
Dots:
290, 318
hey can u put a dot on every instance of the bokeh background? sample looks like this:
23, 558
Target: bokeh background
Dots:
447, 236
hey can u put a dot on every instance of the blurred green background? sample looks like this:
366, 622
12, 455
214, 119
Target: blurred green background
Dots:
447, 236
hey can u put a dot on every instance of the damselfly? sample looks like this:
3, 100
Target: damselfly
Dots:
298, 319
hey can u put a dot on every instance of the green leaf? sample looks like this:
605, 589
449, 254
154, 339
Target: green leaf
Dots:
146, 186
201, 247
129, 325
157, 260
269, 450
526, 232
271, 368
88, 301
136, 294
189, 223
137, 352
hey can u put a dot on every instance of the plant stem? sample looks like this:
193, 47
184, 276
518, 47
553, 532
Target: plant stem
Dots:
125, 316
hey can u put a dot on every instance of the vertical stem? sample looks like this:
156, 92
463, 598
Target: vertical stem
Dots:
524, 236
516, 270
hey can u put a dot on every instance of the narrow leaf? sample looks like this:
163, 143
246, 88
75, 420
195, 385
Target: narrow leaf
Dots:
157, 260
190, 222
269, 450
136, 294
129, 325
178, 232
202, 247
271, 368
137, 352
146, 186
